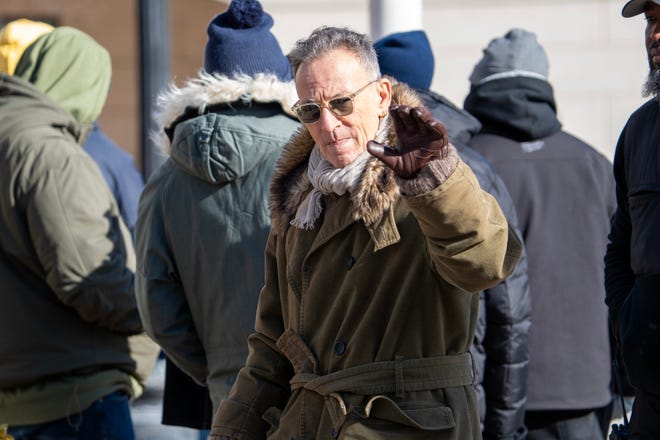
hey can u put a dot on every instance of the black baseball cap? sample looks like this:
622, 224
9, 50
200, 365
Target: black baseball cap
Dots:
636, 7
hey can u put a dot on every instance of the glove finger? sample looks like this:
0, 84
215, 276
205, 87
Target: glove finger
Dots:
438, 127
422, 118
396, 118
388, 155
427, 123
405, 120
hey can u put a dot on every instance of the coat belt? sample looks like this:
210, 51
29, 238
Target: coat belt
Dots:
386, 377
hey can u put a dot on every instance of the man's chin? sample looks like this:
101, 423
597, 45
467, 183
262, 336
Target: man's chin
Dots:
652, 85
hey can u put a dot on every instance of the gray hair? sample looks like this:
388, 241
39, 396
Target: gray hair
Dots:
327, 38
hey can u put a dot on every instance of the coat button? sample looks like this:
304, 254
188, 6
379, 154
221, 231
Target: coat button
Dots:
339, 348
334, 433
350, 263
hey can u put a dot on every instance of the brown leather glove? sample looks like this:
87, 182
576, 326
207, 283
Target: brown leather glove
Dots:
420, 139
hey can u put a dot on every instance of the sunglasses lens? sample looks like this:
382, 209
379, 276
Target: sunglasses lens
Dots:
308, 113
341, 106
311, 112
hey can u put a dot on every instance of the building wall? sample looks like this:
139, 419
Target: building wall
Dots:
597, 58
114, 24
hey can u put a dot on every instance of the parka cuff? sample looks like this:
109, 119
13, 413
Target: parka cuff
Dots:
431, 176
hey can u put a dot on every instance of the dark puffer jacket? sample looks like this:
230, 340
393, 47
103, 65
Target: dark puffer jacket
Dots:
500, 347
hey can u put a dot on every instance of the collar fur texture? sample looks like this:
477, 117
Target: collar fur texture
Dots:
210, 89
376, 192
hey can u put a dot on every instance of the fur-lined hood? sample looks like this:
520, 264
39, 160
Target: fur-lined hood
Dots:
206, 90
376, 192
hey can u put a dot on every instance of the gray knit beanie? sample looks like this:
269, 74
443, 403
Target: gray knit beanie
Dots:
518, 53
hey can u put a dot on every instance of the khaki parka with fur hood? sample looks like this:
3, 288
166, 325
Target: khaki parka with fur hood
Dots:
364, 325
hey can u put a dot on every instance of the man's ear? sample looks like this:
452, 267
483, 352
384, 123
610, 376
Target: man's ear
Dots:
385, 93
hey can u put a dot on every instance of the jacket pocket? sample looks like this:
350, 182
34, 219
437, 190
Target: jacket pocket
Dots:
385, 419
272, 416
639, 332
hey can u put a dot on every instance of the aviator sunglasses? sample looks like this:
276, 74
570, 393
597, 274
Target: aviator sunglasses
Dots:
310, 111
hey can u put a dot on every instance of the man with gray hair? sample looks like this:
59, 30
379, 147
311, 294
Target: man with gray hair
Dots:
381, 239
632, 262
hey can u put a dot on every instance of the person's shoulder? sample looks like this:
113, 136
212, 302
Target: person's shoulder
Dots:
473, 158
577, 153
578, 144
51, 148
100, 142
651, 105
647, 111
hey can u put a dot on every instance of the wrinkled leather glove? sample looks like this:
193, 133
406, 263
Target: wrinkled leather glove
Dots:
420, 139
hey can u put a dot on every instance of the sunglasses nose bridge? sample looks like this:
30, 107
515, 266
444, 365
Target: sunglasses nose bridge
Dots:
327, 116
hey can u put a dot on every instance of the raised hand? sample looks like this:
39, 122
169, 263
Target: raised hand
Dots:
420, 139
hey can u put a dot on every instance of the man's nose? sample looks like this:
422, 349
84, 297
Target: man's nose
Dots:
328, 120
654, 32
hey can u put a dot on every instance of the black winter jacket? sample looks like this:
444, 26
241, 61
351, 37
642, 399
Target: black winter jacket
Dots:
500, 348
563, 190
632, 262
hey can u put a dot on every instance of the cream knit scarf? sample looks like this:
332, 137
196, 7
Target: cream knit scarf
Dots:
326, 179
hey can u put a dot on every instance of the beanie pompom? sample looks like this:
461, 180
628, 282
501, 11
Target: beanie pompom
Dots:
240, 42
244, 14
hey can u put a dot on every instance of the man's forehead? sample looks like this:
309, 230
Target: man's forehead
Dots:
336, 59
332, 71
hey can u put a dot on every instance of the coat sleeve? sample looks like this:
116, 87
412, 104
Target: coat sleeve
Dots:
83, 245
468, 237
264, 381
161, 297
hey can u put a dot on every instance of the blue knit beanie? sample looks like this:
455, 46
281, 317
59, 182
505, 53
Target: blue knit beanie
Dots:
240, 41
516, 54
407, 56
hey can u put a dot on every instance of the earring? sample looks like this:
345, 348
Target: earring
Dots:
382, 115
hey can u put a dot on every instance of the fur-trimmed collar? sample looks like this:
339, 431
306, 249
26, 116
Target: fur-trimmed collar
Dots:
376, 192
210, 89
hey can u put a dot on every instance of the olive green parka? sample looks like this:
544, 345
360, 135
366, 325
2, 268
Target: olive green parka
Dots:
364, 325
70, 325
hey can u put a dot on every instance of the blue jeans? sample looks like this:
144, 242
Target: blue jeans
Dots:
109, 418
